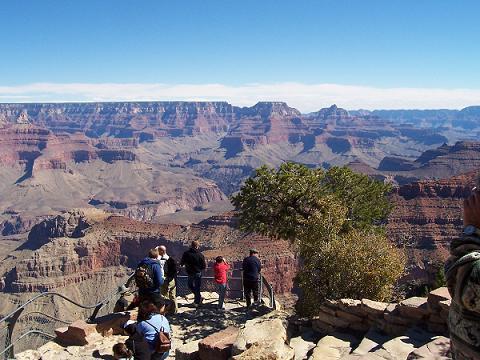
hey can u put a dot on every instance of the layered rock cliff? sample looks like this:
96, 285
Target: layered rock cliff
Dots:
81, 246
427, 215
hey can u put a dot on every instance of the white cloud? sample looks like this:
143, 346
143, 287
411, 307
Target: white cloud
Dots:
305, 97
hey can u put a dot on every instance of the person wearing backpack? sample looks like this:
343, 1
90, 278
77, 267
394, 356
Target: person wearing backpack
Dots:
194, 262
155, 329
149, 278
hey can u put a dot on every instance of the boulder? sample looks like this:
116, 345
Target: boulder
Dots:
301, 347
334, 347
78, 333
29, 355
438, 349
188, 351
266, 350
218, 345
260, 330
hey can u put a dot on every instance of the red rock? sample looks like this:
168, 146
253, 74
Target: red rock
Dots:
218, 346
78, 333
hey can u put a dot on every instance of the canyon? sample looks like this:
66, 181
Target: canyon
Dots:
151, 173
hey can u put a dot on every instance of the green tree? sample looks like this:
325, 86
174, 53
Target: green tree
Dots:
335, 219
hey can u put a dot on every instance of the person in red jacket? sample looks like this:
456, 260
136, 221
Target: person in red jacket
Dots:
220, 269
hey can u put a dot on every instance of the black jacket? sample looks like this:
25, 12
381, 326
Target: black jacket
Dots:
140, 348
171, 269
194, 261
251, 268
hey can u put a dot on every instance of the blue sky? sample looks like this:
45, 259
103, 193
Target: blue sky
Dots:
374, 44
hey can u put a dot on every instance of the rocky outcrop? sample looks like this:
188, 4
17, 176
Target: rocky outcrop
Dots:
427, 215
84, 244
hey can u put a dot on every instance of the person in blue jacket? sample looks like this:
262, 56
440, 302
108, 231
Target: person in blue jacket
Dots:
149, 278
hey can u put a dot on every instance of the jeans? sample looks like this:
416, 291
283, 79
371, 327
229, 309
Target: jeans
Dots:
195, 284
221, 289
249, 287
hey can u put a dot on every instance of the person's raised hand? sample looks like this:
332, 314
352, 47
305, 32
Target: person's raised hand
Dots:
471, 210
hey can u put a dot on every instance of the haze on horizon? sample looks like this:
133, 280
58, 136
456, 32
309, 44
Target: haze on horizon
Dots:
371, 54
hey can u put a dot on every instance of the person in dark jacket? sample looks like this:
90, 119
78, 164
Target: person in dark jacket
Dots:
136, 343
194, 262
125, 299
251, 273
169, 287
152, 292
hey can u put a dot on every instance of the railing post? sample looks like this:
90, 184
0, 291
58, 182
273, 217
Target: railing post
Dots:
95, 312
10, 354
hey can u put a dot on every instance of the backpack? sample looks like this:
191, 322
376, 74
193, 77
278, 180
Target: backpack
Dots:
144, 276
162, 341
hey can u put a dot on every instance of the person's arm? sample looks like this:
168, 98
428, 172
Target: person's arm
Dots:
182, 261
158, 274
204, 262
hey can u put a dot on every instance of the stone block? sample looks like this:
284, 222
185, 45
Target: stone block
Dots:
395, 318
188, 351
436, 296
332, 320
375, 308
351, 318
414, 307
327, 309
322, 327
352, 306
218, 345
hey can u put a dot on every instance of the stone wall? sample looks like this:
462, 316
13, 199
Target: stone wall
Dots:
394, 319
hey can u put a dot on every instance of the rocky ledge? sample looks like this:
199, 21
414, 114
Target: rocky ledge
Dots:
346, 329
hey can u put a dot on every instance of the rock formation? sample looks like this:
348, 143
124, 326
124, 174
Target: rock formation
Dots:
427, 215
84, 245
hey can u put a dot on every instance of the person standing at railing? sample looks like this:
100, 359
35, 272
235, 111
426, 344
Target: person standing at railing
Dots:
194, 262
220, 270
251, 273
169, 287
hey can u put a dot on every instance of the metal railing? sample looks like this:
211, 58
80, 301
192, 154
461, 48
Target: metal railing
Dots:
38, 325
21, 330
